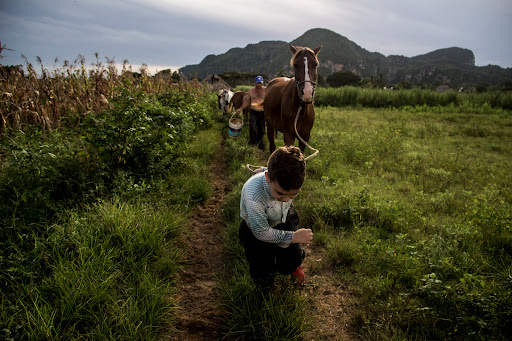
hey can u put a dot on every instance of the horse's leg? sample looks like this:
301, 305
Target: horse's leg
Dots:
270, 135
289, 139
302, 146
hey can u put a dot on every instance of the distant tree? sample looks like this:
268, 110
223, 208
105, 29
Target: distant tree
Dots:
405, 85
482, 87
282, 74
321, 81
421, 85
242, 78
506, 86
375, 82
342, 78
175, 77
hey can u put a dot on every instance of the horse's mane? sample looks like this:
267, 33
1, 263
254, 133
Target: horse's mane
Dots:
301, 51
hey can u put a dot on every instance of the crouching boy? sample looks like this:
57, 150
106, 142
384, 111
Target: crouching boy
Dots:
269, 228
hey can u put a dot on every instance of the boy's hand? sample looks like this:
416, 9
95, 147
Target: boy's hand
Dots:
302, 236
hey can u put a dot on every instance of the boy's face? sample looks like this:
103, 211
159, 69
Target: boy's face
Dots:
278, 193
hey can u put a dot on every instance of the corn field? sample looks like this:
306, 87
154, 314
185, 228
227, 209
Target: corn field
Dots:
48, 99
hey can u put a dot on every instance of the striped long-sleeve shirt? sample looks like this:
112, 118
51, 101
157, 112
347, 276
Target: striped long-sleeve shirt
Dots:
262, 212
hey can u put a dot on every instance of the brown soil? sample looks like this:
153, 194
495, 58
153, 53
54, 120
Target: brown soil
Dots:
199, 310
328, 301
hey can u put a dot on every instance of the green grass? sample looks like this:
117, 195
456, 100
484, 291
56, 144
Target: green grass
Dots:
415, 98
418, 207
109, 271
104, 269
251, 313
412, 208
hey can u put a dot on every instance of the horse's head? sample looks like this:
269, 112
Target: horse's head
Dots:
224, 99
305, 63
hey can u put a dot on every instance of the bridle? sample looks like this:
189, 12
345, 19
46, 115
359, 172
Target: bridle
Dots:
298, 84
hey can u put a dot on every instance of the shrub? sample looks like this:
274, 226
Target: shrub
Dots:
142, 134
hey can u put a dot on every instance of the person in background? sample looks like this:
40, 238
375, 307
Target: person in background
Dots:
254, 100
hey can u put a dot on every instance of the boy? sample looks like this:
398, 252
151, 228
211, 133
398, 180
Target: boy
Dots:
268, 230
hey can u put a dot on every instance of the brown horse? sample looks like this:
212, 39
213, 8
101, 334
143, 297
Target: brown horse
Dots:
236, 102
284, 96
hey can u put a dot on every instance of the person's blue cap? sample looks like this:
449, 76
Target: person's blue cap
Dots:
258, 79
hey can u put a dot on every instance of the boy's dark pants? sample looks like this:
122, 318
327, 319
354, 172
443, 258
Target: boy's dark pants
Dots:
266, 259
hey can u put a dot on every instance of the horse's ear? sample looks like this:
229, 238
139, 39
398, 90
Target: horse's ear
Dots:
293, 49
317, 50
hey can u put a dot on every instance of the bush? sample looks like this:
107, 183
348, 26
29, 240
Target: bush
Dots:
143, 134
39, 177
343, 78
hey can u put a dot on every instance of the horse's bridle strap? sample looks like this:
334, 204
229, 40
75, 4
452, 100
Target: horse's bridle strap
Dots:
299, 83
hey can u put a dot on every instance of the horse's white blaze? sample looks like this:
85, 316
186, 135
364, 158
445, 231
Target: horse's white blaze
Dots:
308, 88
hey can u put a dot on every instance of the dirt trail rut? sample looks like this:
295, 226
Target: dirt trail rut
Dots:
199, 311
198, 315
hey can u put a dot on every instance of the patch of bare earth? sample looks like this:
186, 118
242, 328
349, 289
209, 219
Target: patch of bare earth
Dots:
199, 308
328, 300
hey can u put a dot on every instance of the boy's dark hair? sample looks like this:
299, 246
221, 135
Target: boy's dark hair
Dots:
287, 167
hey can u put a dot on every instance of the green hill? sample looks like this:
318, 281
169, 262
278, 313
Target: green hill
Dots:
454, 66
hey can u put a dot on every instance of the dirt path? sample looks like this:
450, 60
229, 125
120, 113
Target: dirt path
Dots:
328, 301
204, 265
199, 312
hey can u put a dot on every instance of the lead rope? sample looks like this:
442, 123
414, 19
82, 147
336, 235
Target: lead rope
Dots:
300, 138
316, 151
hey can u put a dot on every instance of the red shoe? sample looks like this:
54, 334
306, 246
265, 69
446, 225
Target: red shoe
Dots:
299, 277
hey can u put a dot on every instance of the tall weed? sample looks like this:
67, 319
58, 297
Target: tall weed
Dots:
378, 98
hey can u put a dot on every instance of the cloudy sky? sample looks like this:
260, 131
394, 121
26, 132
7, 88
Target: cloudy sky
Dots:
170, 34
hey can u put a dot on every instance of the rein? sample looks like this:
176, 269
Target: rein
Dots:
316, 151
258, 169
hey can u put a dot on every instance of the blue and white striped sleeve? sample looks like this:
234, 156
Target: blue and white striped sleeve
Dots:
253, 209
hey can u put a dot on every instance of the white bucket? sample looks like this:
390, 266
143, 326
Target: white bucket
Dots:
235, 126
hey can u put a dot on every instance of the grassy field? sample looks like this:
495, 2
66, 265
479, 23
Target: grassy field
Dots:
410, 201
413, 211
92, 203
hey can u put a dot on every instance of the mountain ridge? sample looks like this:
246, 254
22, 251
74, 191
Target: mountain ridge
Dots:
453, 65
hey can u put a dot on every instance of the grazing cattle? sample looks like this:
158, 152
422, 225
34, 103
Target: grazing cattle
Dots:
284, 97
224, 98
236, 102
